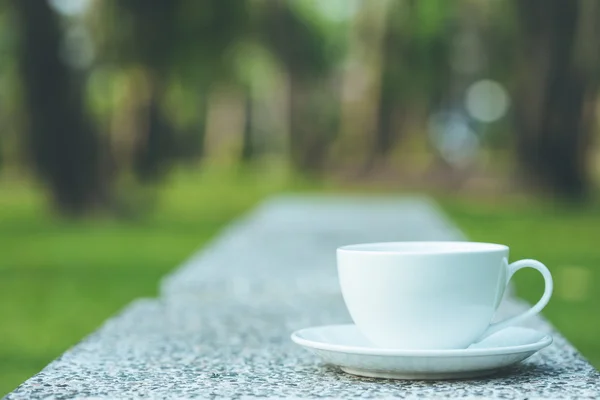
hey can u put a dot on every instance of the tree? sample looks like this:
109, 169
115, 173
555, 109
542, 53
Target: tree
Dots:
145, 36
63, 142
557, 83
313, 98
415, 72
172, 41
248, 146
394, 86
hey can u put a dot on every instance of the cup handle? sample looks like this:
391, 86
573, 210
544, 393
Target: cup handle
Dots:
512, 268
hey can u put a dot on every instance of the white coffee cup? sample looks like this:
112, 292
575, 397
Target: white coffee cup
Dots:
429, 295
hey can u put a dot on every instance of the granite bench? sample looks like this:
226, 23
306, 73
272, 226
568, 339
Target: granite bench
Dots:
221, 325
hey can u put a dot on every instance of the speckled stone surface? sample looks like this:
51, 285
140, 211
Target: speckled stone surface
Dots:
221, 325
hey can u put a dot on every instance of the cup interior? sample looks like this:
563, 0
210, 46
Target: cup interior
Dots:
449, 247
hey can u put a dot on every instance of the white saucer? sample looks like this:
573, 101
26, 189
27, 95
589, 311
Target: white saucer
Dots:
345, 347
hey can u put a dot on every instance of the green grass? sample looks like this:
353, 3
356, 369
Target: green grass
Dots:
60, 280
565, 238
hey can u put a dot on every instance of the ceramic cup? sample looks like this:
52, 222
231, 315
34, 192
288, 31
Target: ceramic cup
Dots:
429, 295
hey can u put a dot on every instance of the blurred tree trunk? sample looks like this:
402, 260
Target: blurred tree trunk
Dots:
199, 134
385, 136
153, 34
313, 122
392, 87
248, 148
313, 103
191, 147
64, 144
553, 117
153, 145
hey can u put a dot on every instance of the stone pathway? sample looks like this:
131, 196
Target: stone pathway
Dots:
221, 325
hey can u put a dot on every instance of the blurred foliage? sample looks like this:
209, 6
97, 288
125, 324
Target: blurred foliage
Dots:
328, 86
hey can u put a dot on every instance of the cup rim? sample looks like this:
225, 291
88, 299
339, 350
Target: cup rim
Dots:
423, 247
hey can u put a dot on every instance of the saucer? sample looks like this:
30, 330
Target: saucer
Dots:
344, 346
